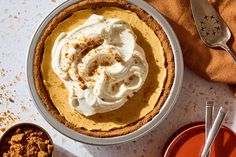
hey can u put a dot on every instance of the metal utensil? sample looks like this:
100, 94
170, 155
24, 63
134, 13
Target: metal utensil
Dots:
214, 131
209, 118
210, 26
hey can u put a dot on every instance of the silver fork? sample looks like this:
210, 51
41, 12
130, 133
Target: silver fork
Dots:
210, 26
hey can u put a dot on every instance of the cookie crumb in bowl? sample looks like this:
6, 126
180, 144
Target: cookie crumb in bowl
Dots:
26, 139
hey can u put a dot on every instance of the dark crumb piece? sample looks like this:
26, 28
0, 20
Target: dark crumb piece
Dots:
80, 79
3, 129
105, 63
131, 78
42, 146
83, 86
11, 100
50, 148
118, 58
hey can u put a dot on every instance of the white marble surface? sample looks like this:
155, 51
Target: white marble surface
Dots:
18, 21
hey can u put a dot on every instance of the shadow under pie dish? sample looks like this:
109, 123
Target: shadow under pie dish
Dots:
139, 109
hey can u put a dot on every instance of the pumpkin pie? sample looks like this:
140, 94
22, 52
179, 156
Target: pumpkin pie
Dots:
138, 109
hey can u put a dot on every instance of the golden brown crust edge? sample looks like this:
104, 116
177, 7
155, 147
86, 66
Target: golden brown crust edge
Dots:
43, 94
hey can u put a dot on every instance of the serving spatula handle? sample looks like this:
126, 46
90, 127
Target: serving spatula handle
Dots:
226, 48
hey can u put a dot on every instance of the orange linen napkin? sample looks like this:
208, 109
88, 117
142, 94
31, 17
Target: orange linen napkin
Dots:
212, 64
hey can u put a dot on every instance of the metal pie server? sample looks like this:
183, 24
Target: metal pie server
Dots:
209, 119
210, 26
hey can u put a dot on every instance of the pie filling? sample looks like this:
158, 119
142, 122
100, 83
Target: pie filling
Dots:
99, 82
100, 64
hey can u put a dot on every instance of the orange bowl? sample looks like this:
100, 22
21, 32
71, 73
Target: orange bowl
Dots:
190, 142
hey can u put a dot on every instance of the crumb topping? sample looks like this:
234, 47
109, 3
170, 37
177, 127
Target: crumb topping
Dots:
26, 141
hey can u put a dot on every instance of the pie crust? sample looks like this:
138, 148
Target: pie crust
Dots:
169, 63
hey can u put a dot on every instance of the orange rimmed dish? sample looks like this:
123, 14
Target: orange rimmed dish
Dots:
190, 142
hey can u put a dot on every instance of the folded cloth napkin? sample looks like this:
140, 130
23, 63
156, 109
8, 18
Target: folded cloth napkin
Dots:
212, 64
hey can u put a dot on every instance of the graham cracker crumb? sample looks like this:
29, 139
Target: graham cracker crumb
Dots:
26, 141
6, 119
11, 100
42, 154
118, 58
17, 137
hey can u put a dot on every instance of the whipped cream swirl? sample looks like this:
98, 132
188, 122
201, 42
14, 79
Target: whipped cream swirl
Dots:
100, 64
